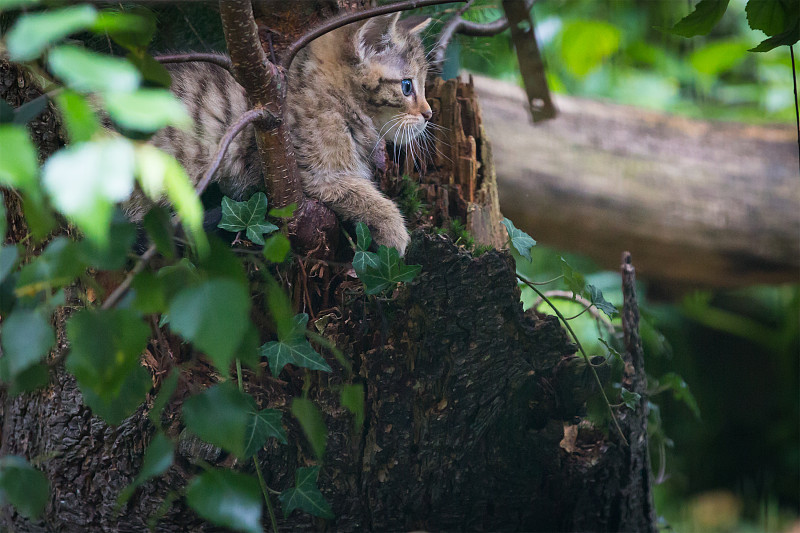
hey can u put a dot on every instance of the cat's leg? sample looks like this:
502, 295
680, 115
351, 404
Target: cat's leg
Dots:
353, 196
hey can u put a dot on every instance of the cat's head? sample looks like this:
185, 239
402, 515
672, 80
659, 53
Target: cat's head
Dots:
392, 67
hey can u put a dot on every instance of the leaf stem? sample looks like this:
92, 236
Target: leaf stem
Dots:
583, 353
265, 491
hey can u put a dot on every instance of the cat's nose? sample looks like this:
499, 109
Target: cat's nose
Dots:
427, 114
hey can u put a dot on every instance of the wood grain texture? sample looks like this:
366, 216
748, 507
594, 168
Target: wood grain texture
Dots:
697, 203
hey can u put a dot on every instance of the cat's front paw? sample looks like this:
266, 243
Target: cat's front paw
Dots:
392, 232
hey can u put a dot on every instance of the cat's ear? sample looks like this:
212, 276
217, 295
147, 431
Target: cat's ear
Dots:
414, 24
374, 34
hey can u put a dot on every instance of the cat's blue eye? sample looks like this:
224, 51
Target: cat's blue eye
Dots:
407, 87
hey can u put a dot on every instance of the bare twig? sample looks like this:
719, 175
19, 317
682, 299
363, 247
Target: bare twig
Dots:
588, 306
471, 29
343, 20
248, 117
123, 287
218, 59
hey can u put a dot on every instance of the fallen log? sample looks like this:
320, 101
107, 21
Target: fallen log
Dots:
698, 203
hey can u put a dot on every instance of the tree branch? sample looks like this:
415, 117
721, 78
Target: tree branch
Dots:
343, 20
217, 59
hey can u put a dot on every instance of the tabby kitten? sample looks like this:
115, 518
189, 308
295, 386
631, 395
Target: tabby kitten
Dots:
348, 90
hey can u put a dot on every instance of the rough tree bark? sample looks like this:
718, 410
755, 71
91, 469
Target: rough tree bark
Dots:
467, 399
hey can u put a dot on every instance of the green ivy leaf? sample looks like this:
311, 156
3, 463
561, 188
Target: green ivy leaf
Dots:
34, 32
86, 71
586, 43
769, 16
249, 215
294, 349
157, 459
104, 357
363, 260
787, 38
305, 495
705, 16
352, 399
85, 180
574, 280
596, 297
79, 118
213, 316
228, 499
363, 236
520, 240
23, 486
26, 336
630, 399
263, 425
680, 391
220, 416
310, 419
150, 69
19, 164
147, 110
58, 265
276, 248
390, 271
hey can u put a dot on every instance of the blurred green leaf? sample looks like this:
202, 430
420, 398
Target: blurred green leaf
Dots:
30, 110
85, 180
147, 110
23, 486
38, 214
6, 112
79, 118
150, 69
705, 16
280, 308
263, 424
165, 392
58, 265
159, 172
8, 258
26, 336
228, 499
129, 30
310, 419
14, 4
148, 293
352, 399
19, 164
718, 57
122, 235
30, 379
249, 215
586, 43
86, 71
520, 240
158, 224
305, 495
213, 316
680, 391
276, 248
34, 32
104, 357
283, 212
157, 459
220, 415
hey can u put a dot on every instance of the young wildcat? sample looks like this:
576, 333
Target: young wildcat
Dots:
348, 90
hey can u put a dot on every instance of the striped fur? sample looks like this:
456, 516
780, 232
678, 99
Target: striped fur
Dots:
344, 96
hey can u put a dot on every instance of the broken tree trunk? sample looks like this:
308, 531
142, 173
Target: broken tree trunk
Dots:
697, 203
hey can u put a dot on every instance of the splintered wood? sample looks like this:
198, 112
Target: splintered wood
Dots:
456, 173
